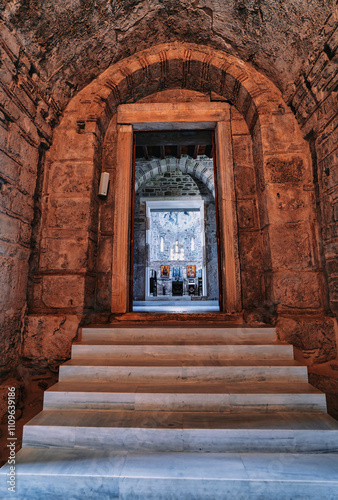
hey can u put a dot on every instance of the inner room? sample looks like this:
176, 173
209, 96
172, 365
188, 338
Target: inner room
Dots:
175, 255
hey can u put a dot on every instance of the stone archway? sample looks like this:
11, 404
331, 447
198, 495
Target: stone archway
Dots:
70, 212
196, 168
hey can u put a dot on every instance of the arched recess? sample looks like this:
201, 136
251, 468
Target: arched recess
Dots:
69, 276
187, 165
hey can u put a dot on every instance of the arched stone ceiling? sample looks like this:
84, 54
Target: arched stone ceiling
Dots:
201, 169
73, 41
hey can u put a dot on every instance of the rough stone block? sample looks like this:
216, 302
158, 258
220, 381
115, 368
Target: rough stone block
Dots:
30, 108
43, 127
71, 177
103, 291
8, 69
333, 289
10, 108
63, 291
89, 291
35, 294
239, 126
16, 202
284, 169
70, 145
10, 40
335, 211
9, 167
10, 227
329, 232
252, 288
29, 126
326, 144
64, 253
25, 234
297, 290
316, 337
3, 136
105, 254
13, 281
10, 338
242, 149
328, 209
250, 249
69, 212
332, 265
288, 203
27, 180
290, 246
6, 74
281, 133
245, 181
48, 338
19, 146
247, 214
329, 169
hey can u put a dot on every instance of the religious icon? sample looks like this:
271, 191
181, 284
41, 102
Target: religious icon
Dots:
191, 271
164, 271
176, 272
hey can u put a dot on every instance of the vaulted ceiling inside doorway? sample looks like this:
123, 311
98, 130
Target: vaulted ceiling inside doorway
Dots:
174, 143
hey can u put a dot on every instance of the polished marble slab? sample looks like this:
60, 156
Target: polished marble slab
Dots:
225, 397
146, 353
246, 387
78, 474
178, 431
196, 420
288, 372
172, 335
172, 362
178, 308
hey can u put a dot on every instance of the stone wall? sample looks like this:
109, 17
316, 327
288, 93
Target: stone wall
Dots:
249, 224
314, 102
27, 115
76, 41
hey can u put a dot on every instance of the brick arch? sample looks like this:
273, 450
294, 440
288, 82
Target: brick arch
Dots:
281, 158
187, 165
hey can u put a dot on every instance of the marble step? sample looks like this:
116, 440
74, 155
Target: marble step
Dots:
232, 398
106, 370
185, 307
182, 352
182, 431
179, 335
77, 474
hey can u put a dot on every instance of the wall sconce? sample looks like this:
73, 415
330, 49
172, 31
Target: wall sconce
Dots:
104, 184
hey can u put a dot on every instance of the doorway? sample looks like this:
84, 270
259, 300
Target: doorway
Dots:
175, 255
146, 117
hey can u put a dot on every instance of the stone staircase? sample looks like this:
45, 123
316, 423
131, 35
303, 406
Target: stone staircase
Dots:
179, 413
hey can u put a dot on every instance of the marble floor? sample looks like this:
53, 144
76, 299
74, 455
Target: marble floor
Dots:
176, 306
179, 413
